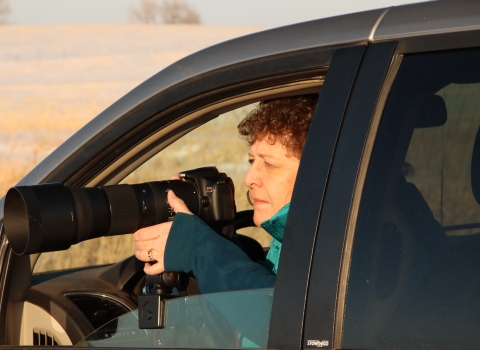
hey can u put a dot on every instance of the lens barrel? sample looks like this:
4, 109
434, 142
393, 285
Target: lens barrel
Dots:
51, 217
30, 211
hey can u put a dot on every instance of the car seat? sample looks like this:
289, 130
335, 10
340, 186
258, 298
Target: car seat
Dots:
408, 246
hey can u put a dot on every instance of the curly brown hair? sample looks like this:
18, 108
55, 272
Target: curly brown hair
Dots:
286, 119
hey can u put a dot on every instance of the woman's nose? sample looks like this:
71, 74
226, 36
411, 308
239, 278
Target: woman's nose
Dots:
251, 177
247, 179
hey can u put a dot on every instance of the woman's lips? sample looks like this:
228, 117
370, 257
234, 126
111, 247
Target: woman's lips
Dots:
258, 201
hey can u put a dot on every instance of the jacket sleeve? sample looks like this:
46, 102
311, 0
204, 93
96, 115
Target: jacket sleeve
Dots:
217, 263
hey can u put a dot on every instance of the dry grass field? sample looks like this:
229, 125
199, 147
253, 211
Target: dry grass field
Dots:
55, 78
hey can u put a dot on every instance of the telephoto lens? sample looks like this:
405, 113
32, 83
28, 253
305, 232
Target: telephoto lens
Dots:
51, 217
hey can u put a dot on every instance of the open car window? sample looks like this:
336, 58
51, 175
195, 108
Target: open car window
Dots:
216, 143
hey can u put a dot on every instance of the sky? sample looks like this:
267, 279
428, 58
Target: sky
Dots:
262, 13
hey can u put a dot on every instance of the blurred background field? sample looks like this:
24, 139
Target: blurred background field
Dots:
56, 78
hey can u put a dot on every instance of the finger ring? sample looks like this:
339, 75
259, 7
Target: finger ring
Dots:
150, 255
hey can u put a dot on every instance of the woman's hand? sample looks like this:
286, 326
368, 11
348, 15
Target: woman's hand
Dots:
153, 239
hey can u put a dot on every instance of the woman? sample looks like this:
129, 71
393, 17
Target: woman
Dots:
276, 132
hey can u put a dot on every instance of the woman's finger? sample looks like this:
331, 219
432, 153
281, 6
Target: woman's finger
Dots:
154, 269
143, 255
146, 234
152, 232
145, 245
177, 203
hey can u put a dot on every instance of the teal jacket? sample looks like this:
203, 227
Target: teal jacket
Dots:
219, 264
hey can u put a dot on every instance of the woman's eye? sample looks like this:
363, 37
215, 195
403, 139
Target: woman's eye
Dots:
250, 161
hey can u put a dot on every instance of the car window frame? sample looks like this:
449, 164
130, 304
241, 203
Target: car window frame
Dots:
293, 334
26, 262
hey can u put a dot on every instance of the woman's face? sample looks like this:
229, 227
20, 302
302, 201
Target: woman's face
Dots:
270, 179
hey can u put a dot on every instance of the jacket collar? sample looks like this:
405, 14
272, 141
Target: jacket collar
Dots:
276, 225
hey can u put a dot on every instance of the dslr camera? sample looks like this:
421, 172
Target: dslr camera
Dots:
51, 217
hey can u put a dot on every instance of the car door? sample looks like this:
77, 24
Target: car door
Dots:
413, 281
398, 237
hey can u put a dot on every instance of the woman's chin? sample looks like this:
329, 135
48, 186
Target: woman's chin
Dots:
257, 222
259, 217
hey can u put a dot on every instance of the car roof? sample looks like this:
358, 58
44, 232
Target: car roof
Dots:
428, 18
384, 24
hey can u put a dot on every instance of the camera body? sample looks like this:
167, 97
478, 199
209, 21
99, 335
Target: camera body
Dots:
50, 217
216, 197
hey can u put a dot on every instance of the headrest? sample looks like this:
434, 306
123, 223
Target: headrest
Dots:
433, 113
475, 170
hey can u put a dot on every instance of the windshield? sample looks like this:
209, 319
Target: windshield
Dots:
217, 320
